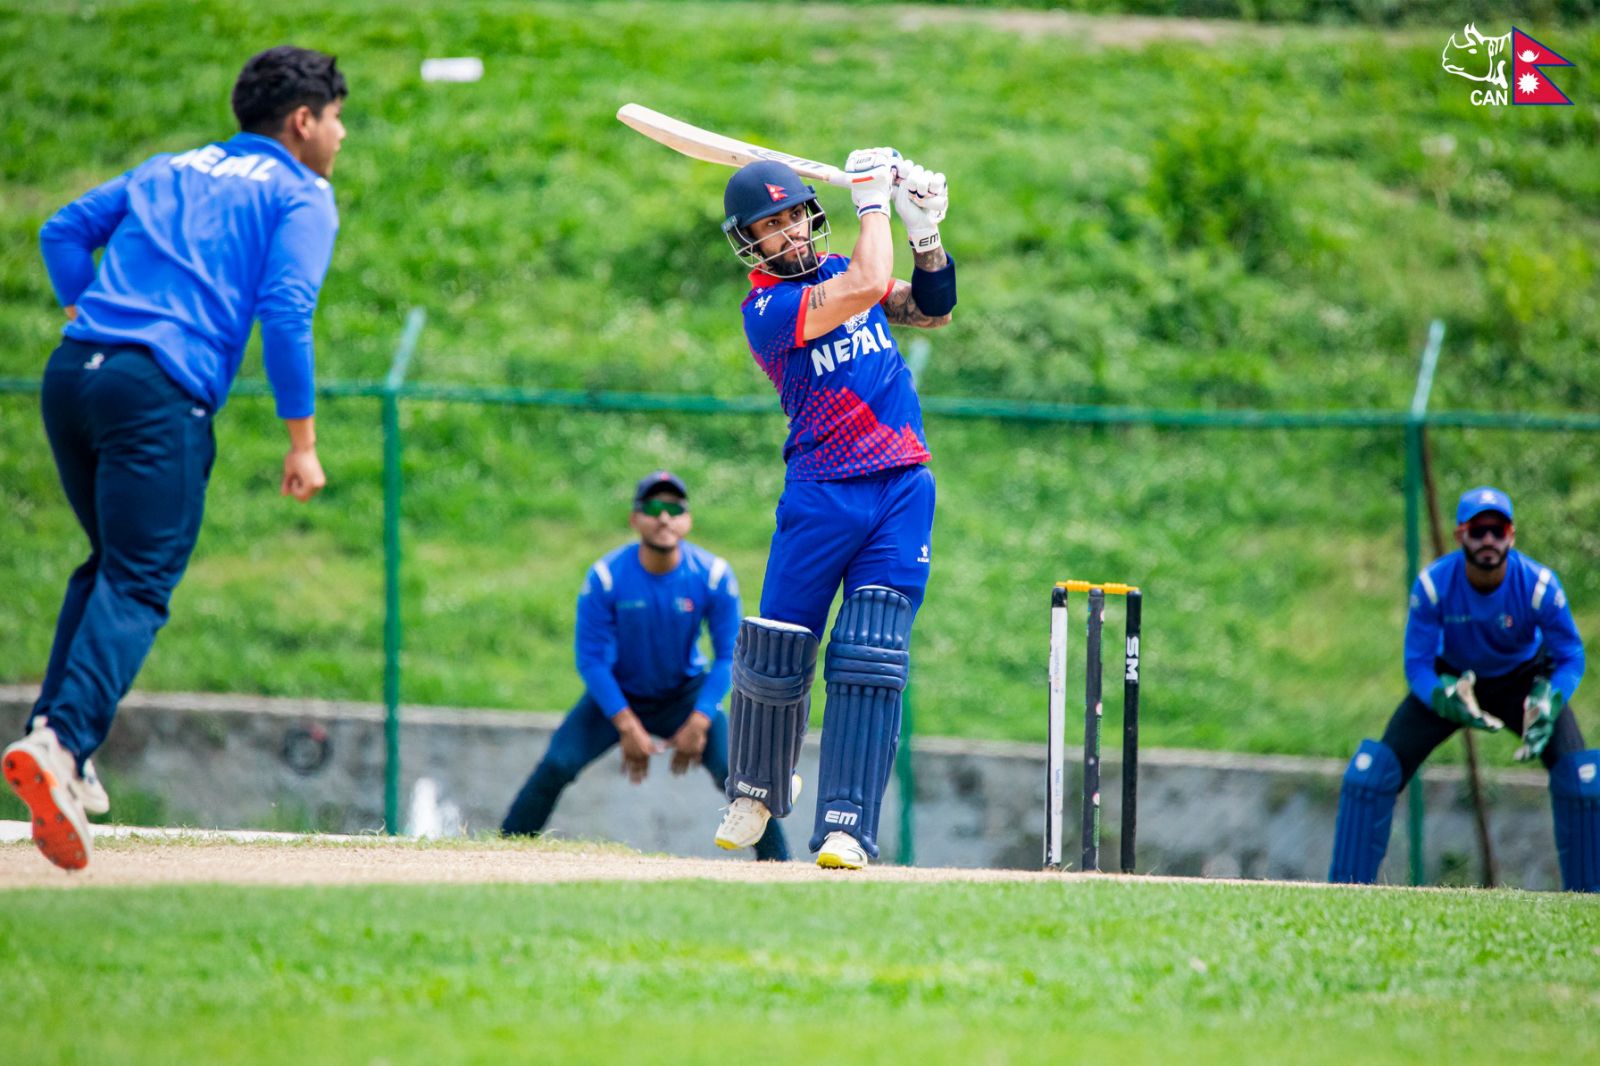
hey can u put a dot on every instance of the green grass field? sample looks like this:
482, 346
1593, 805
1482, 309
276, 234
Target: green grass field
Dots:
1269, 221
687, 971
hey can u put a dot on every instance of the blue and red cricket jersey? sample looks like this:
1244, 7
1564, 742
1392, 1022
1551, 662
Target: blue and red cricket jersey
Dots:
851, 404
858, 505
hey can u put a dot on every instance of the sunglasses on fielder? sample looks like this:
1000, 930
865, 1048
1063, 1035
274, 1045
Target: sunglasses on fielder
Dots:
1488, 530
657, 508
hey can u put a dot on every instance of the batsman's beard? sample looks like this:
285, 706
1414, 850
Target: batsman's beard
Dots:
798, 256
797, 261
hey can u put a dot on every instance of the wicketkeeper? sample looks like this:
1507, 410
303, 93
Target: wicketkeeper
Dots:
1490, 645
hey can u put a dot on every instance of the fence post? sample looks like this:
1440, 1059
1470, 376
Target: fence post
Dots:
904, 771
1416, 419
391, 565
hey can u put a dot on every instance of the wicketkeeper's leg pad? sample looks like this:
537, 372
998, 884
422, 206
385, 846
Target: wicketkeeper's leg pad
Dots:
1575, 802
773, 666
868, 664
1366, 809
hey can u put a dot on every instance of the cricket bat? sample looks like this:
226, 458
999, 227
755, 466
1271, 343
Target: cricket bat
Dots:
709, 147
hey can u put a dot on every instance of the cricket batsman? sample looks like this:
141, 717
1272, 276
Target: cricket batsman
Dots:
1490, 644
198, 246
858, 499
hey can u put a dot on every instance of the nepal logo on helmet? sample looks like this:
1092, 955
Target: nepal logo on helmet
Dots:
777, 192
1475, 57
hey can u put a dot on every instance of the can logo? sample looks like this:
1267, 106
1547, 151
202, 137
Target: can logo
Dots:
1482, 59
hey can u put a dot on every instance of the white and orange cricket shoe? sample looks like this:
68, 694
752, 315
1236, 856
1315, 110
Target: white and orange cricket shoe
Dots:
45, 776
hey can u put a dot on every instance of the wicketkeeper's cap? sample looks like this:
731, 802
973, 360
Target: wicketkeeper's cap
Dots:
1483, 498
654, 482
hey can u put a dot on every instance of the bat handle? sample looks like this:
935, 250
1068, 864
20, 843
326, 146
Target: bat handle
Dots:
842, 179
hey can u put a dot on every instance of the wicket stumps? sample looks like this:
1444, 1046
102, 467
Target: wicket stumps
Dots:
1055, 753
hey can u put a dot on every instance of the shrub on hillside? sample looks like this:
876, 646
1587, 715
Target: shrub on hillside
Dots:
1213, 183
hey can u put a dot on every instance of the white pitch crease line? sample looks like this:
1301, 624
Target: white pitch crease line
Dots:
10, 832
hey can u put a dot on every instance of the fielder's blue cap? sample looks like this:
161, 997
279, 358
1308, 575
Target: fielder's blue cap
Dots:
1483, 498
656, 481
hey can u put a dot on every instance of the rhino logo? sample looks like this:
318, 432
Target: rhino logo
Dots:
1472, 49
1471, 55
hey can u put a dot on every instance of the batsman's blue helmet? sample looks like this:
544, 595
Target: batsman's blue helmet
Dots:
762, 188
759, 190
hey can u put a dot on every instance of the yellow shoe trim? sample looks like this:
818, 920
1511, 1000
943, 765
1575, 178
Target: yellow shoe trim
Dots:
834, 862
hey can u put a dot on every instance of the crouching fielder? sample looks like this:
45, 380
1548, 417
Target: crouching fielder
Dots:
1490, 644
857, 505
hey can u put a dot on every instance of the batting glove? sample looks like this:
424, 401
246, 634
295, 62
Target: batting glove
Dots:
1454, 699
872, 174
921, 199
1539, 713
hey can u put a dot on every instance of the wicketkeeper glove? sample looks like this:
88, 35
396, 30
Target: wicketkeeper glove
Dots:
1539, 713
1454, 699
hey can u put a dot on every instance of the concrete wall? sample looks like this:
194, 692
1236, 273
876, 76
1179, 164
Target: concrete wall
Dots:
241, 762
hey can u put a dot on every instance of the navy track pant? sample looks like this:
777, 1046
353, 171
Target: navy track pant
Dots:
134, 454
586, 733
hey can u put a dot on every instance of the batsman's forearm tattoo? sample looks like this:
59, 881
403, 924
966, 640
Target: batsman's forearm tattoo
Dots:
903, 311
818, 296
934, 260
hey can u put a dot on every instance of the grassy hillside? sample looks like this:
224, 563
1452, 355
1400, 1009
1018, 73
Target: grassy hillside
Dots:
1270, 221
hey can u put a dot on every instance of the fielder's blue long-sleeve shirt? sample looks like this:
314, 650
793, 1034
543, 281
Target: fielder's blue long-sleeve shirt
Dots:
198, 245
1490, 633
639, 633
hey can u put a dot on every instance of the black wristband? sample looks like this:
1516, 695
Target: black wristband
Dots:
934, 291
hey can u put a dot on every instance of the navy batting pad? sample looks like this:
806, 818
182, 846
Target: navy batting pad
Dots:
773, 664
1575, 802
868, 663
1366, 808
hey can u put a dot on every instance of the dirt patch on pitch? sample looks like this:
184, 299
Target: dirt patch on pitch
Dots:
139, 861
176, 857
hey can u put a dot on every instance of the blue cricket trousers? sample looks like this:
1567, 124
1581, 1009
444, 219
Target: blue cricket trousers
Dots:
873, 530
586, 734
134, 453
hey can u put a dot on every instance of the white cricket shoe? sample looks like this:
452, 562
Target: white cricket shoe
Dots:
43, 774
743, 825
91, 793
841, 851
747, 819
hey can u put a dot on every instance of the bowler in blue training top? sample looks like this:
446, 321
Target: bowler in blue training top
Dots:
198, 246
